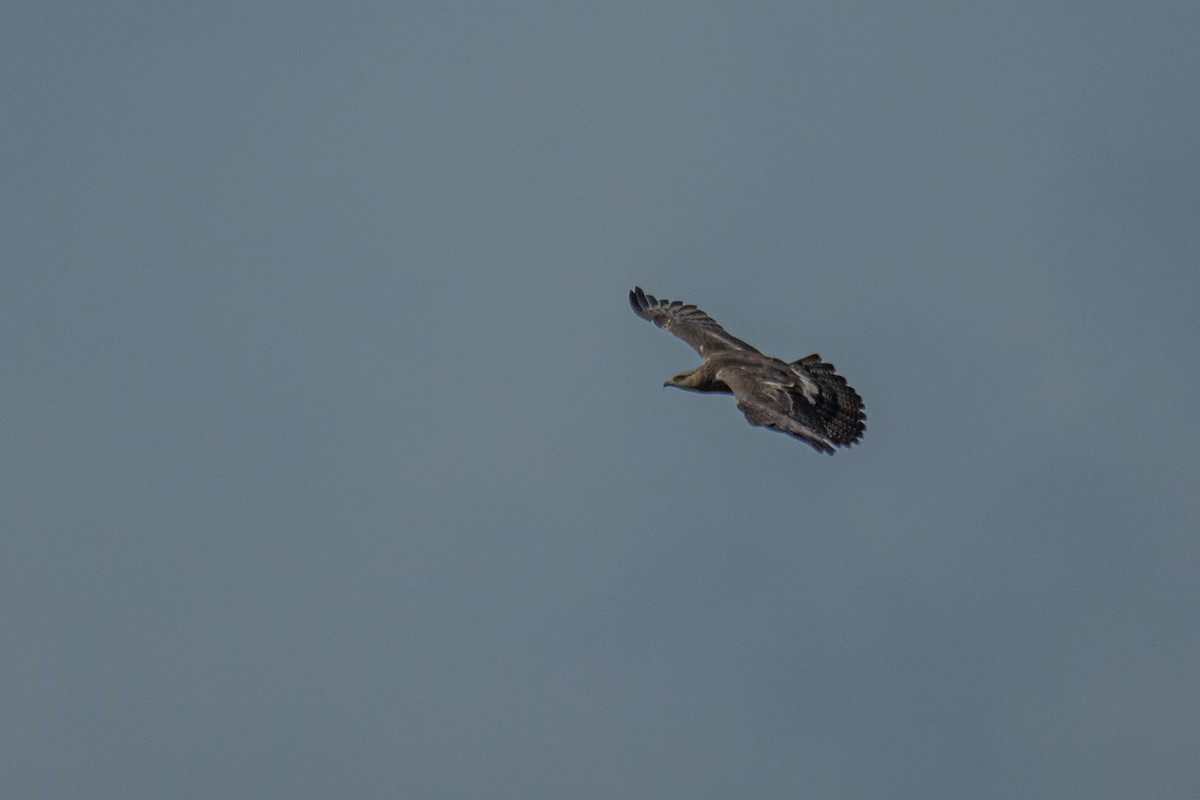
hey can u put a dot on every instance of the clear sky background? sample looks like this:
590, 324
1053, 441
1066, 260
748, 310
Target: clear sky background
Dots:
336, 465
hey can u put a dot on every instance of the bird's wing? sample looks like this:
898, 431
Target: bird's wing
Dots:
807, 400
687, 322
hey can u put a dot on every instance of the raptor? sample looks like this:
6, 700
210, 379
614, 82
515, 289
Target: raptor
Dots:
804, 398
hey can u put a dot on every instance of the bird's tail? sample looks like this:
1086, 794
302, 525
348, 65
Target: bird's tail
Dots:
838, 406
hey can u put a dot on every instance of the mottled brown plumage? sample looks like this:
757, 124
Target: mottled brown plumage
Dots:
804, 398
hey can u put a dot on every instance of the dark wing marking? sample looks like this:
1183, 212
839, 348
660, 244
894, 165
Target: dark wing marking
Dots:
687, 322
831, 416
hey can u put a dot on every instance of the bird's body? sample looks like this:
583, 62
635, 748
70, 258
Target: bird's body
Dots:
804, 398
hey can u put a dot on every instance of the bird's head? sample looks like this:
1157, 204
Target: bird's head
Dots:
684, 380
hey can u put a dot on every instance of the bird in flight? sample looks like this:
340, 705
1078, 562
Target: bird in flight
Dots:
804, 398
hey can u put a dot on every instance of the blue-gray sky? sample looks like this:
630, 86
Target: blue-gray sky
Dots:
335, 464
